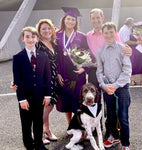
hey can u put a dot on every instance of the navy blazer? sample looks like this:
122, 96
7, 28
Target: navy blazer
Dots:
32, 84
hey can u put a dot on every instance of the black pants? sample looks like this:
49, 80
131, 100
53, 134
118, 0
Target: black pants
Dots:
32, 120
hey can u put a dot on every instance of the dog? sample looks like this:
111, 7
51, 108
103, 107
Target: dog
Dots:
86, 119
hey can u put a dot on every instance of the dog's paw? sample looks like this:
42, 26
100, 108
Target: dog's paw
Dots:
77, 147
74, 147
68, 146
102, 148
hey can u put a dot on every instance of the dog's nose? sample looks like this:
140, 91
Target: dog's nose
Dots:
89, 95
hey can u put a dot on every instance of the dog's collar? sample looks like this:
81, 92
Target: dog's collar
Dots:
93, 109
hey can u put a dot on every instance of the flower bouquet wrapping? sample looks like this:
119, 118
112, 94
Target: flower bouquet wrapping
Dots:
81, 57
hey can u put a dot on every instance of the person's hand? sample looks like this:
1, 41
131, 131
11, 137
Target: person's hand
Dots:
13, 87
109, 89
46, 101
79, 70
60, 80
24, 105
127, 50
139, 42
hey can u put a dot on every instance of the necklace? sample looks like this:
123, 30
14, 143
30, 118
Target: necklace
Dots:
65, 45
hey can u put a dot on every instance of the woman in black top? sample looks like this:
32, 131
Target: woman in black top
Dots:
47, 43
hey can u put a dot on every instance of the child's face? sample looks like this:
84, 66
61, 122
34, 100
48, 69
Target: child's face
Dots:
109, 35
29, 39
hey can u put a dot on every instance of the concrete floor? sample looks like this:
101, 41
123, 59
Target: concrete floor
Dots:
10, 127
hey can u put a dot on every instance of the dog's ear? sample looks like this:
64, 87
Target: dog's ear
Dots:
98, 96
81, 96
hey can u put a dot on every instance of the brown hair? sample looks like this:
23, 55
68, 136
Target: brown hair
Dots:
49, 22
62, 26
109, 25
30, 29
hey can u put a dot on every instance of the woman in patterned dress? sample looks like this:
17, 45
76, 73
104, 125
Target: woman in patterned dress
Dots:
47, 43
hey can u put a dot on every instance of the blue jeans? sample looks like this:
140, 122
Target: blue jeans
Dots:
123, 106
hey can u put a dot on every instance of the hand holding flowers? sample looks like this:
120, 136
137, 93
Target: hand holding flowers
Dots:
80, 57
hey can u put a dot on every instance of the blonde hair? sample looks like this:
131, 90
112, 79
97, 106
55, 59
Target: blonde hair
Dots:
30, 29
49, 22
97, 10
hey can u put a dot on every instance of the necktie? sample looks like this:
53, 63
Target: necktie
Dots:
33, 61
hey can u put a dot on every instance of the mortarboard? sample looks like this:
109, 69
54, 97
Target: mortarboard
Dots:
71, 11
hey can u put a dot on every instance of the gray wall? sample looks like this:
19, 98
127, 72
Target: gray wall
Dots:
55, 16
5, 19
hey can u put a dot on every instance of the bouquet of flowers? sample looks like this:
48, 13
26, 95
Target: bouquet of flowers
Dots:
137, 28
81, 57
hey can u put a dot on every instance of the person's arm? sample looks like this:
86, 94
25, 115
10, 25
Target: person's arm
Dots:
47, 81
125, 75
18, 85
100, 70
127, 50
130, 42
17, 75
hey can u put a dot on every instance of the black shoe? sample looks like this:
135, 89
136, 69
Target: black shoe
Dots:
41, 148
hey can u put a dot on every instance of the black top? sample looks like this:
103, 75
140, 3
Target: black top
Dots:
53, 67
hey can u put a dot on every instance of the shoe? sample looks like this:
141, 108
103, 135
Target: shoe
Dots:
111, 142
125, 148
50, 136
45, 141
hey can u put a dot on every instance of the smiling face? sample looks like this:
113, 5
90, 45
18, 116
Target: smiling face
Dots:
96, 19
29, 39
70, 22
45, 31
109, 35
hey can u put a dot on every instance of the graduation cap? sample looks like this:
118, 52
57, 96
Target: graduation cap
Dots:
71, 11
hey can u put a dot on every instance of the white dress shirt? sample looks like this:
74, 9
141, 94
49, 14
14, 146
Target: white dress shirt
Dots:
124, 34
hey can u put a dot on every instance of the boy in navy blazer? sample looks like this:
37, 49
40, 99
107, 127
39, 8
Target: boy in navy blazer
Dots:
33, 88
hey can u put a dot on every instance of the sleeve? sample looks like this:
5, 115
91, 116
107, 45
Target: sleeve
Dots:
17, 75
100, 70
84, 42
47, 77
124, 36
117, 37
125, 75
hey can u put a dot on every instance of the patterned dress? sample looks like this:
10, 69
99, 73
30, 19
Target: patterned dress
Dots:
69, 93
53, 64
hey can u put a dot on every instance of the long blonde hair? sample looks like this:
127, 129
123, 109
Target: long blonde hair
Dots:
49, 22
